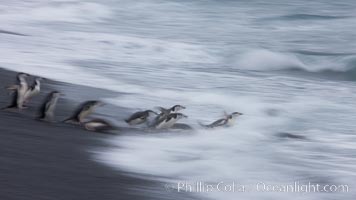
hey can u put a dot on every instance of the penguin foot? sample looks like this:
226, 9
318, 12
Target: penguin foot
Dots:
72, 121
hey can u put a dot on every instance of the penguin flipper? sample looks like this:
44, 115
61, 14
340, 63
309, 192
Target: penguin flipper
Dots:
203, 125
217, 123
12, 87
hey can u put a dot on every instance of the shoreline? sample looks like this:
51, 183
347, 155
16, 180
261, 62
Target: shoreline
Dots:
51, 161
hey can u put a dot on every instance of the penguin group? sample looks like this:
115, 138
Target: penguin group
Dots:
22, 93
165, 118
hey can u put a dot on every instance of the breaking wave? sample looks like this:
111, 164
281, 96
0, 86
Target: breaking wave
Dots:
265, 60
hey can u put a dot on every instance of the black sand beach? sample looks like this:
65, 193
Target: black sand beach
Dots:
51, 161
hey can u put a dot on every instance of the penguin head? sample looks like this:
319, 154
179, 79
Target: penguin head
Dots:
92, 104
56, 94
235, 114
22, 76
177, 108
96, 103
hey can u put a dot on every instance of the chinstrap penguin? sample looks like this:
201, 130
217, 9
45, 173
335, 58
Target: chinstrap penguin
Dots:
228, 120
83, 111
165, 112
48, 108
19, 91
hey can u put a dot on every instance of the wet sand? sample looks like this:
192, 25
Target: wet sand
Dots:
52, 161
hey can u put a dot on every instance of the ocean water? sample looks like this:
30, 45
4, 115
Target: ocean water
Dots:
289, 66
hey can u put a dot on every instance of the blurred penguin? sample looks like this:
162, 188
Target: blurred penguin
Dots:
83, 111
227, 121
18, 92
49, 106
164, 113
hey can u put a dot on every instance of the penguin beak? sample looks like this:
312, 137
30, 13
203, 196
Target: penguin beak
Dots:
185, 116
